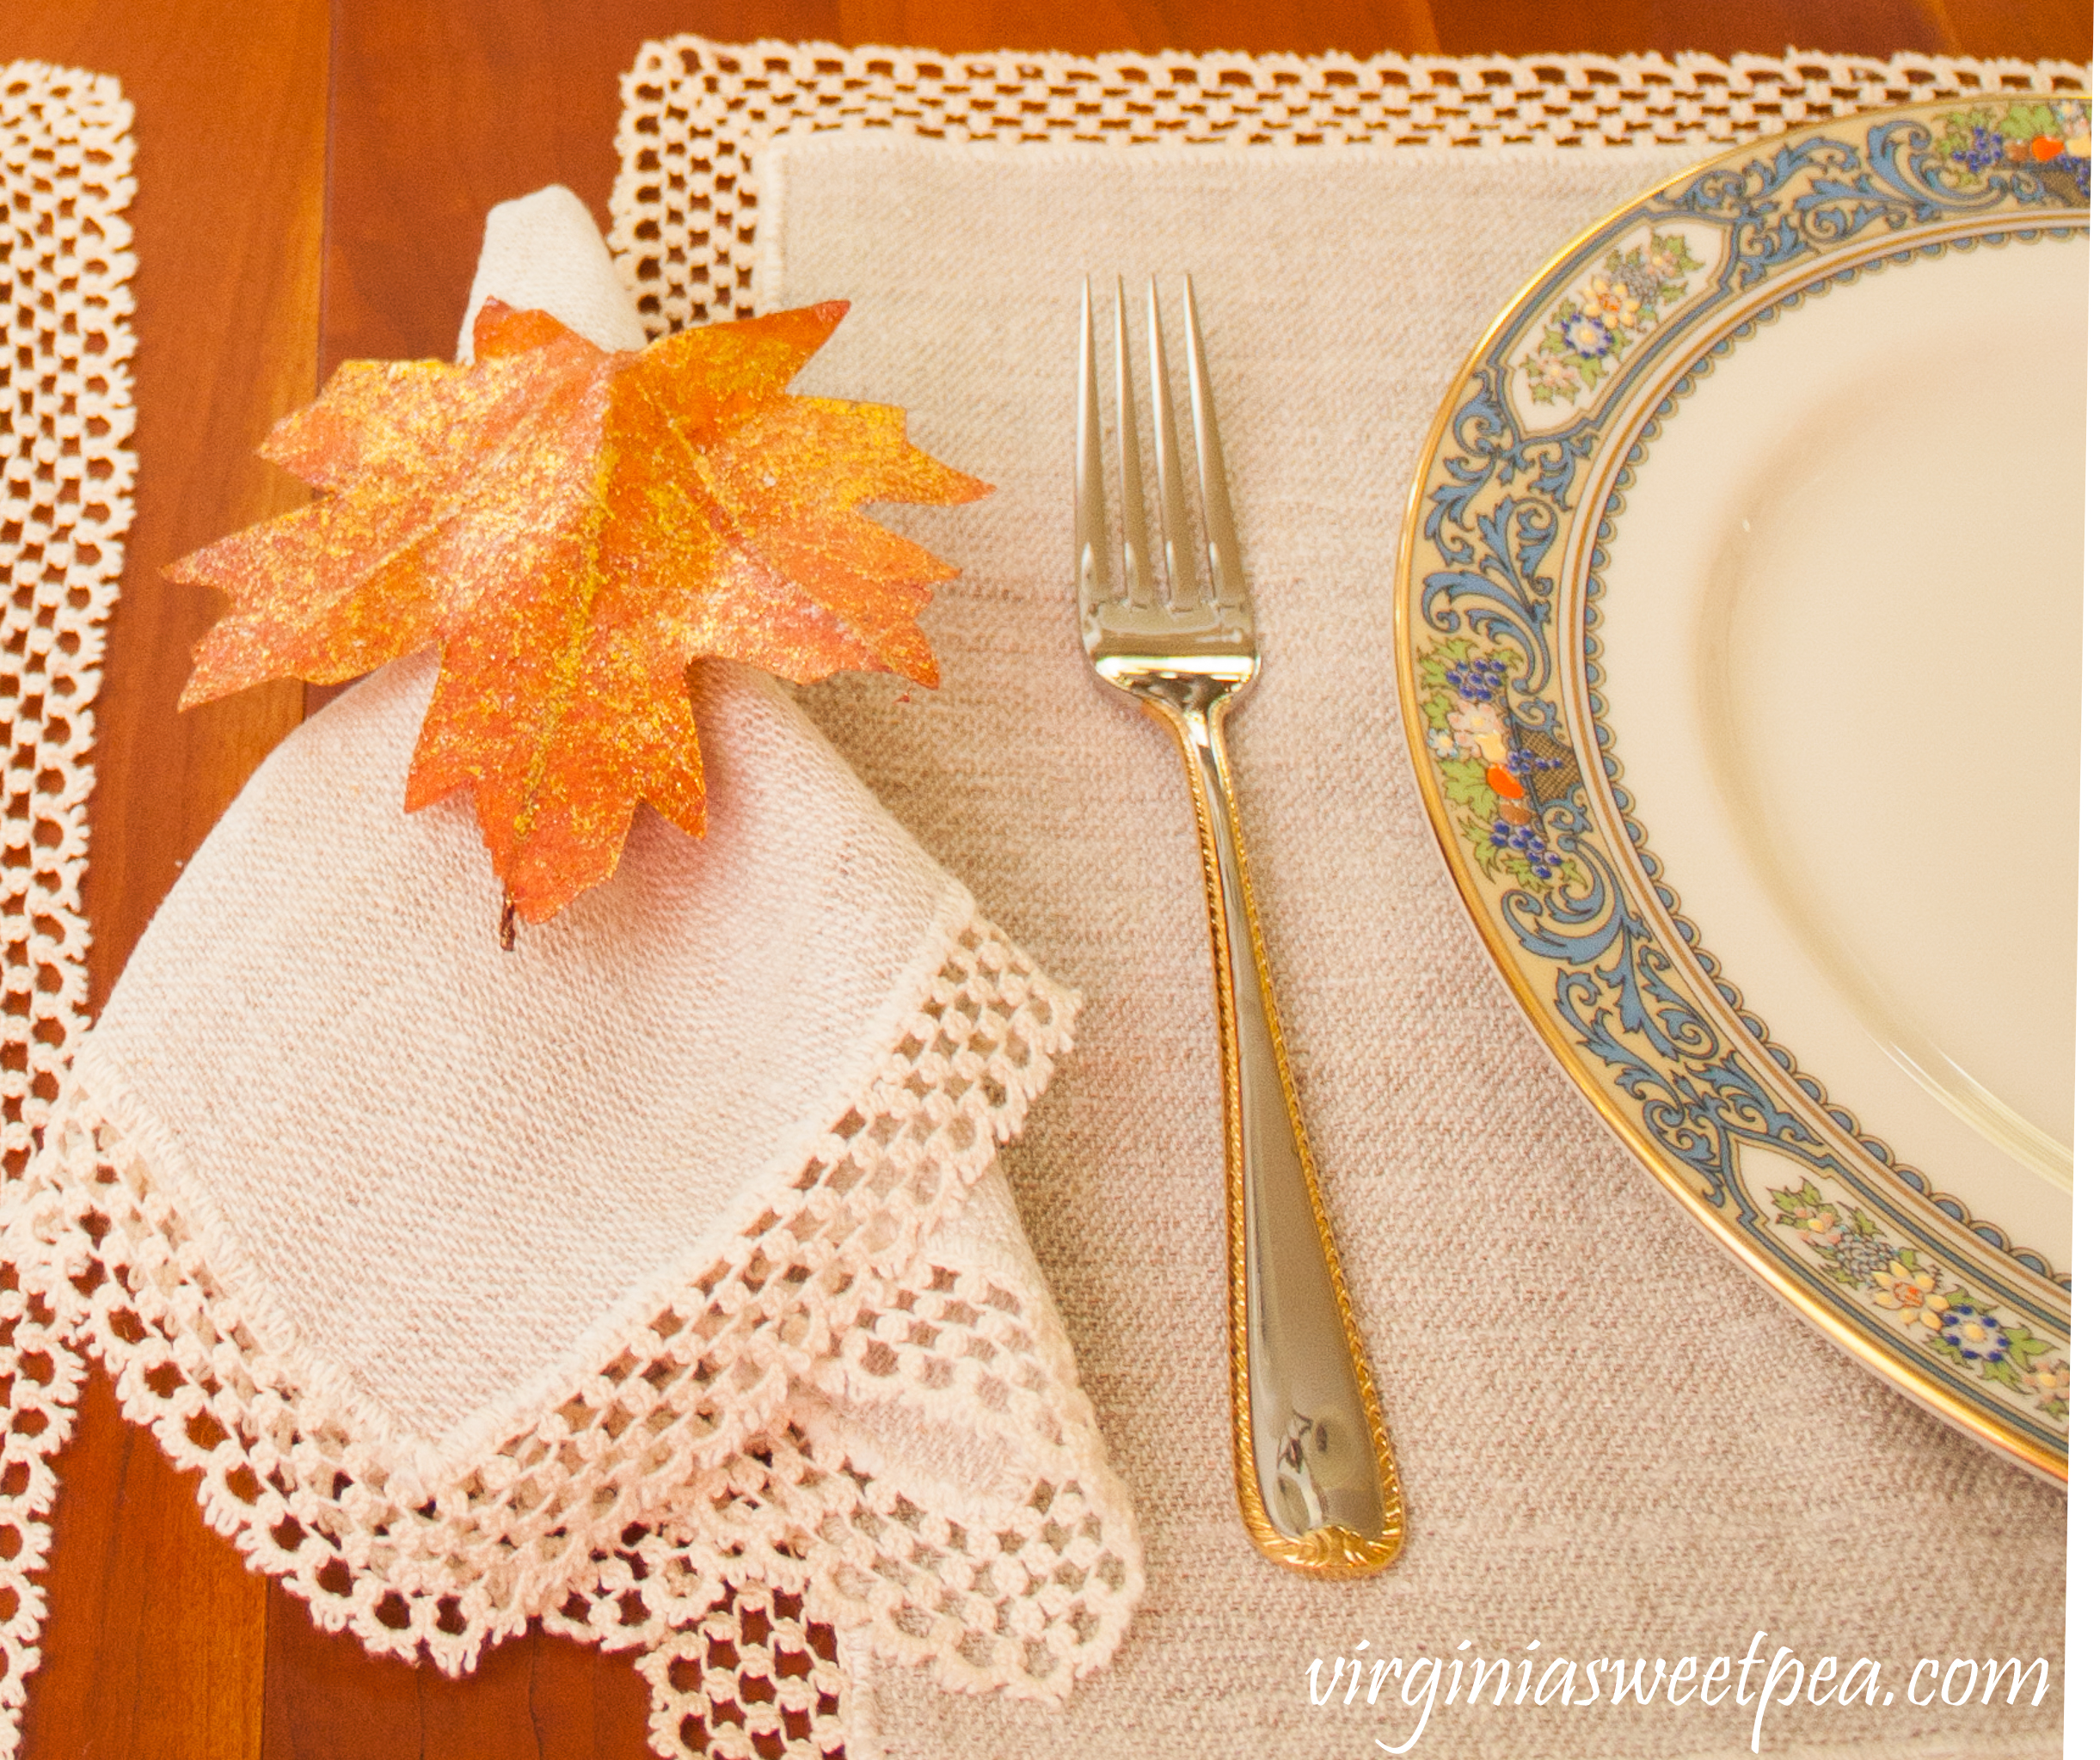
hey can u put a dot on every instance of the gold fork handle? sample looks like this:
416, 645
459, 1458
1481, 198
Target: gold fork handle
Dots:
1317, 1486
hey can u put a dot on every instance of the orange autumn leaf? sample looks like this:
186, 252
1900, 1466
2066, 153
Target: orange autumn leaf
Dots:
572, 528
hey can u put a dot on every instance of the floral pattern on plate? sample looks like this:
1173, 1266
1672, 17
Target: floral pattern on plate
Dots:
1966, 1331
1588, 332
1503, 672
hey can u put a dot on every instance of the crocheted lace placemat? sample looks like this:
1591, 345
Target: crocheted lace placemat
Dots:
695, 114
688, 231
65, 502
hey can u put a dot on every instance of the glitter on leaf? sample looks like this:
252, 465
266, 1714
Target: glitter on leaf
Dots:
574, 528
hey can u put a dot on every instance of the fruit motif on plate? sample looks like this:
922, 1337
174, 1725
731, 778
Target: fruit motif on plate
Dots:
1514, 517
1505, 769
2052, 140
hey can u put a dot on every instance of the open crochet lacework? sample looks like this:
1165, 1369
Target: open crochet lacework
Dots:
716, 1497
695, 113
65, 503
721, 1484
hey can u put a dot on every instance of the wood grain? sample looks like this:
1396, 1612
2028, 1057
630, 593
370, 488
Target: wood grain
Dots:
154, 1641
2028, 28
505, 98
232, 152
400, 122
442, 108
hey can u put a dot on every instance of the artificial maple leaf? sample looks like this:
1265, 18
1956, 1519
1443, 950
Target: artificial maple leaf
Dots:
573, 527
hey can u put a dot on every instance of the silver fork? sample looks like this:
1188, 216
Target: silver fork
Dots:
1317, 1488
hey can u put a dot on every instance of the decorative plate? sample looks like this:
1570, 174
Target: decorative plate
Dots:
1737, 621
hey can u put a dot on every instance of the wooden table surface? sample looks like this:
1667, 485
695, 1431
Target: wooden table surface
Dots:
312, 183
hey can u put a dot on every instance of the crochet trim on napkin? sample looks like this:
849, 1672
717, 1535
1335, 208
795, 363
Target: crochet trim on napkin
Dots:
730, 1445
695, 114
65, 503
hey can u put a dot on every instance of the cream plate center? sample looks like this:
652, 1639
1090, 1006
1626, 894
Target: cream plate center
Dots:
1840, 657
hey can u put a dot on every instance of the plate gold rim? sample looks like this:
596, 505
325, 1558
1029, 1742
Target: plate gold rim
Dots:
1969, 1414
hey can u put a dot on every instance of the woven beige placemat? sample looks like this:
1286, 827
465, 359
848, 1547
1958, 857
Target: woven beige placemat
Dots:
65, 502
695, 114
1616, 1447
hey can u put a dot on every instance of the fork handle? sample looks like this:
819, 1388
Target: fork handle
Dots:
1314, 1470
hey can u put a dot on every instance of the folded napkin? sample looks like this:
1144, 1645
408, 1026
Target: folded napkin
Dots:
662, 1256
1614, 1443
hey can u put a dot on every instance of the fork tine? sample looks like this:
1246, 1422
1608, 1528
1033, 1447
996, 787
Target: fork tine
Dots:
1167, 454
1226, 580
1137, 546
1090, 521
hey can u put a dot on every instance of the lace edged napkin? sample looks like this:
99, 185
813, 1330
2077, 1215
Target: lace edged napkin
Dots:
661, 1262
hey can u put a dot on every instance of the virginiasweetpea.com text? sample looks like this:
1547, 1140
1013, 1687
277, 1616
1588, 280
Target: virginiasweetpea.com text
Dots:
1395, 1697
